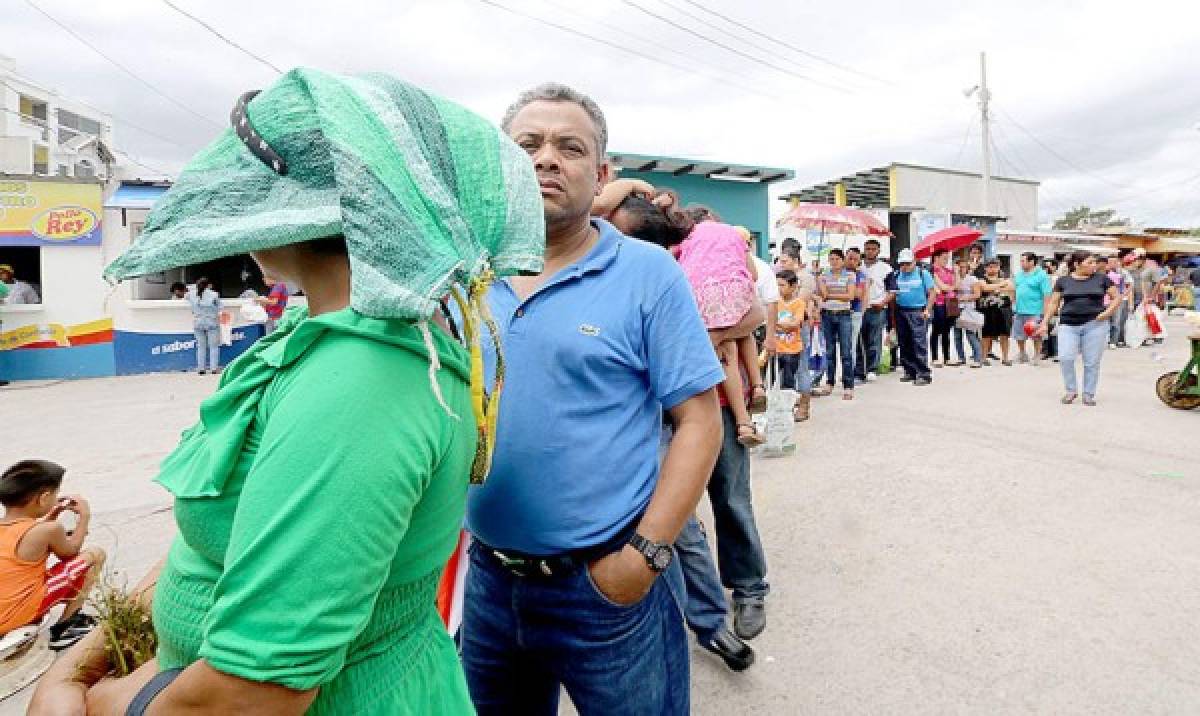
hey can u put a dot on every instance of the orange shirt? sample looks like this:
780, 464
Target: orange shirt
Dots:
789, 340
22, 584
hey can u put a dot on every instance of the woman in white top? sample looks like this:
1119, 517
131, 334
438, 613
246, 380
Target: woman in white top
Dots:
970, 289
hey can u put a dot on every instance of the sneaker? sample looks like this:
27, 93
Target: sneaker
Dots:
201, 371
871, 377
1112, 346
976, 364
1089, 399
922, 381
906, 378
3, 383
1022, 358
66, 633
749, 619
736, 654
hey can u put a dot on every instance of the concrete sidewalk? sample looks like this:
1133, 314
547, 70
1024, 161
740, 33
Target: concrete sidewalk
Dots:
971, 547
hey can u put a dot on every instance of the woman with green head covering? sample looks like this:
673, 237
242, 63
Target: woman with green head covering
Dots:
323, 487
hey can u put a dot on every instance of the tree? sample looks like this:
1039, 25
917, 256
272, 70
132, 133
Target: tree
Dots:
1083, 216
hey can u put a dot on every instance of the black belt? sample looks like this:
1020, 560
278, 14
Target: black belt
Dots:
906, 308
558, 565
876, 309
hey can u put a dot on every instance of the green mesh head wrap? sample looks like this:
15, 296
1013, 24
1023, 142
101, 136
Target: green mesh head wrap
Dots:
426, 193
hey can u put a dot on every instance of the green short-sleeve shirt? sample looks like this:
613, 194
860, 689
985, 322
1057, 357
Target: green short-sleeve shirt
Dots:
317, 501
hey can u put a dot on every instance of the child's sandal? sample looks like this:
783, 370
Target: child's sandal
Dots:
758, 399
748, 435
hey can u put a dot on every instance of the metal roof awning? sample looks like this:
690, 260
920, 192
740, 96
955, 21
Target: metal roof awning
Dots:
720, 171
135, 196
1174, 246
871, 188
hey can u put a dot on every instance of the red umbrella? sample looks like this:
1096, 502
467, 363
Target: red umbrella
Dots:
952, 238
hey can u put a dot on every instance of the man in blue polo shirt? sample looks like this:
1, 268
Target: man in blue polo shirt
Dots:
912, 288
572, 581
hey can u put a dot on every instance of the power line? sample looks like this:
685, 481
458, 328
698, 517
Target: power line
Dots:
791, 47
706, 23
621, 48
733, 50
1060, 157
226, 40
966, 138
658, 43
120, 66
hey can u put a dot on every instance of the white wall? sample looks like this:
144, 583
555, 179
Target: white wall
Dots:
962, 193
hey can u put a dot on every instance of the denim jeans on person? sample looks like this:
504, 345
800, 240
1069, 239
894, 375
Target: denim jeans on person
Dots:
804, 376
973, 339
789, 369
941, 334
740, 558
1088, 340
707, 608
912, 338
1116, 332
874, 322
208, 347
525, 637
856, 324
838, 328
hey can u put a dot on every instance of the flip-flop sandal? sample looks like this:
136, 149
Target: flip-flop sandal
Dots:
750, 439
758, 400
1069, 398
848, 395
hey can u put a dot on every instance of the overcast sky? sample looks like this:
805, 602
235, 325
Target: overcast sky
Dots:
1100, 100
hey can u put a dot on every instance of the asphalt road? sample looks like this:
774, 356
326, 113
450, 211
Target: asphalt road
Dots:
968, 547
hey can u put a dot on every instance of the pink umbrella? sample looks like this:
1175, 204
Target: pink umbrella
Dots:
834, 219
951, 239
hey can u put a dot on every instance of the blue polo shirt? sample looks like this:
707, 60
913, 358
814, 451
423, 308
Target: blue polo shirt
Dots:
593, 358
912, 287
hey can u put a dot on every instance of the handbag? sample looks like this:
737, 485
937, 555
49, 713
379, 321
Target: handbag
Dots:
952, 308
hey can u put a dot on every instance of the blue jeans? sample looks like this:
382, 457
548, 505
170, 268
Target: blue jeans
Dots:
973, 339
872, 338
1116, 332
524, 637
1088, 339
789, 369
912, 336
838, 330
208, 346
803, 372
707, 607
740, 557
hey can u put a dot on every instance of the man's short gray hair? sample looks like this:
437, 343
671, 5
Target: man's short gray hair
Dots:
556, 92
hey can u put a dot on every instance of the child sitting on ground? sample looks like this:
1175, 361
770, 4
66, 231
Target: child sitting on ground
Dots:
29, 533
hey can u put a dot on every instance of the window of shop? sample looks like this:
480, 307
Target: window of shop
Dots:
26, 262
232, 277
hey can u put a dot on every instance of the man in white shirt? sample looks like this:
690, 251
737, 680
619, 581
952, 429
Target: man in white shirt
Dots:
875, 315
767, 289
20, 292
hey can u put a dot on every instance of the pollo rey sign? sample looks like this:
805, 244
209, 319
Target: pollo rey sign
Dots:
49, 213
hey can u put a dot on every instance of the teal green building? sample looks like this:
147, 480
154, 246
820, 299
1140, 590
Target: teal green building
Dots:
738, 192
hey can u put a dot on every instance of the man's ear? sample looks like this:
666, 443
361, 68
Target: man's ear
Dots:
604, 174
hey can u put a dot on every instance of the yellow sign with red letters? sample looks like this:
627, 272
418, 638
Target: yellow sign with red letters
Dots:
49, 213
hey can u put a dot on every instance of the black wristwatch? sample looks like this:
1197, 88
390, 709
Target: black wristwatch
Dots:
658, 555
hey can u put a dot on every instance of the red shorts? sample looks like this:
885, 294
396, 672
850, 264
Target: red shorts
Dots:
64, 582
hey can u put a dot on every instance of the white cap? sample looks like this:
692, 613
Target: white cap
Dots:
905, 257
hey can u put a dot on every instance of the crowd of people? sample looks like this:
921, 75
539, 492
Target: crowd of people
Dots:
324, 489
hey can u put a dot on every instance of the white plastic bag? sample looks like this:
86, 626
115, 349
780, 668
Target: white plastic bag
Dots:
225, 322
970, 320
253, 313
780, 423
1135, 328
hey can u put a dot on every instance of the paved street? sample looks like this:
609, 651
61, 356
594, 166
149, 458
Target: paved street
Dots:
969, 547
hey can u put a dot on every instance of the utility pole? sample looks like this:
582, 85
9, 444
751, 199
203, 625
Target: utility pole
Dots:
984, 98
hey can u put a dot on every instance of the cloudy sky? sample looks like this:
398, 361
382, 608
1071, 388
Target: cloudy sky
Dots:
1100, 100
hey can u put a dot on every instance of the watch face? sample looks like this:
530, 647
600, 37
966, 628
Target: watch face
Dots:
662, 558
